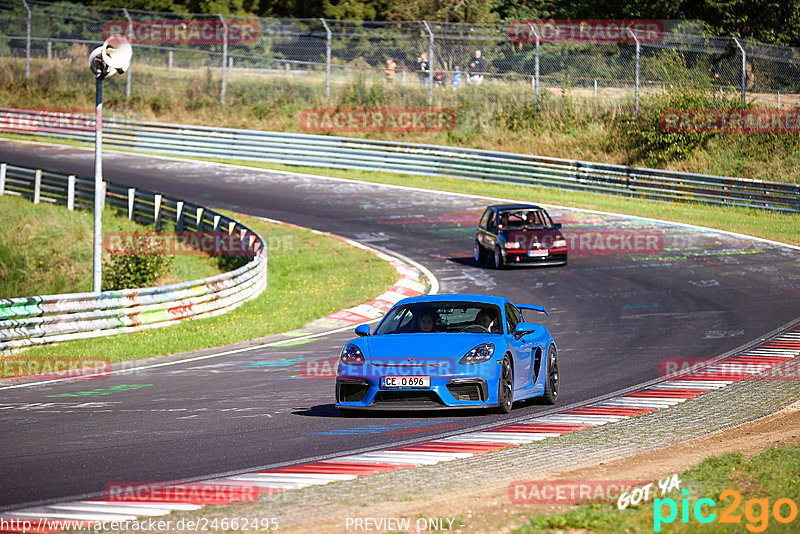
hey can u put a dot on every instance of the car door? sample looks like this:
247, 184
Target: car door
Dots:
480, 232
523, 351
489, 239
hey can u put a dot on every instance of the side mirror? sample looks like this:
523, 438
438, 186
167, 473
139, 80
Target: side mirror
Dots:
557, 226
362, 330
523, 329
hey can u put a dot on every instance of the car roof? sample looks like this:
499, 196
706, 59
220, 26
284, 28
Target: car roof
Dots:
483, 299
516, 207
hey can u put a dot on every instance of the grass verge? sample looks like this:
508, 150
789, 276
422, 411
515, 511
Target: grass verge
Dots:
499, 115
760, 482
310, 276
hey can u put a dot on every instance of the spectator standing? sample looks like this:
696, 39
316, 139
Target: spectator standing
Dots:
476, 69
389, 71
457, 77
423, 68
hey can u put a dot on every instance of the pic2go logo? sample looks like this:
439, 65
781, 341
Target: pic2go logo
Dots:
756, 511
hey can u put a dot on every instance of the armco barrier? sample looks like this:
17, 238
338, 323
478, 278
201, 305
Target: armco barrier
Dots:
52, 318
428, 160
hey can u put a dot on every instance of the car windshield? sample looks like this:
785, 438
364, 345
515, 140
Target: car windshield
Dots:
447, 317
524, 219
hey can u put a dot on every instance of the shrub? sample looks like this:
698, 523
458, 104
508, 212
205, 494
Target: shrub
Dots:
129, 271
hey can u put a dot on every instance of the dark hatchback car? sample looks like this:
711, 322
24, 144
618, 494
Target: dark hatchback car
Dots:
517, 234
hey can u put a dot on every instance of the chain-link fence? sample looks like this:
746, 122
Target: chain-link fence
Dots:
333, 64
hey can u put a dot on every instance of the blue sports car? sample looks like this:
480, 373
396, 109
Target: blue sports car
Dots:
448, 351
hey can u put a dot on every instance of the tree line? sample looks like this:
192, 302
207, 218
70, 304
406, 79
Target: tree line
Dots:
770, 21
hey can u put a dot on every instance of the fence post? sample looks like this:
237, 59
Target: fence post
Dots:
37, 186
224, 58
129, 35
179, 215
430, 62
536, 64
71, 192
216, 223
198, 218
327, 61
131, 202
3, 168
638, 56
169, 61
27, 41
49, 50
157, 211
744, 69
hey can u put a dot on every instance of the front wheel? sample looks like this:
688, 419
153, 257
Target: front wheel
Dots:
498, 259
551, 380
505, 387
480, 252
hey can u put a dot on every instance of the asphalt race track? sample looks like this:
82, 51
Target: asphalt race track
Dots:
616, 316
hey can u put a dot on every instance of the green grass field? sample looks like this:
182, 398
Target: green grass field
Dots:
568, 122
46, 249
760, 482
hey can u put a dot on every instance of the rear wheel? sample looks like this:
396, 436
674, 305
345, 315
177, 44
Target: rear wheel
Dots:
480, 252
505, 387
498, 259
551, 380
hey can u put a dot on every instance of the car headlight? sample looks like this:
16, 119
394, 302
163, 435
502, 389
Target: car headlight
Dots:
351, 355
479, 354
513, 244
560, 243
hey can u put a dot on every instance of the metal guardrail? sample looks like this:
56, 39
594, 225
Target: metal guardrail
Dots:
44, 319
406, 158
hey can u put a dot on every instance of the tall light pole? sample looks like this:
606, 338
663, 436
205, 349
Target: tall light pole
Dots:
114, 57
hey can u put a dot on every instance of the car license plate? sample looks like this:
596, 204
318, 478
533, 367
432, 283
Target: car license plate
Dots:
400, 382
537, 253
